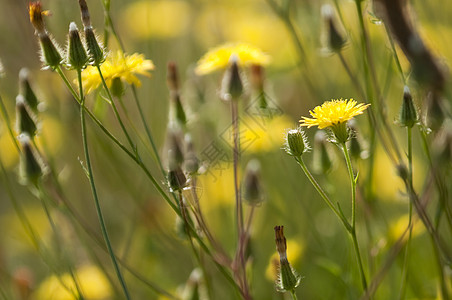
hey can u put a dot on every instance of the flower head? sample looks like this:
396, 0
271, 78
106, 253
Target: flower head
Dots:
35, 11
219, 57
117, 66
335, 114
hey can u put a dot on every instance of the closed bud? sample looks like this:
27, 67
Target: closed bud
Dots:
172, 78
356, 143
177, 109
402, 172
252, 186
335, 39
288, 279
232, 84
51, 55
176, 177
77, 58
322, 162
25, 121
95, 50
191, 163
26, 91
174, 147
408, 114
442, 146
257, 81
296, 143
85, 13
30, 165
117, 87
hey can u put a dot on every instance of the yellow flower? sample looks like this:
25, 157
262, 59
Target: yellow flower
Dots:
334, 112
117, 65
93, 284
218, 57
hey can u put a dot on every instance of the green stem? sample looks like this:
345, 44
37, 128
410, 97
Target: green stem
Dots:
323, 194
115, 110
148, 130
294, 294
353, 223
94, 191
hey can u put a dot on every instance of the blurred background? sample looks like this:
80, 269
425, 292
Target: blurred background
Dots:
143, 228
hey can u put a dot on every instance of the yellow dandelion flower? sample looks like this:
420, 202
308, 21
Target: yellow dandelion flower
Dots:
117, 65
218, 57
333, 112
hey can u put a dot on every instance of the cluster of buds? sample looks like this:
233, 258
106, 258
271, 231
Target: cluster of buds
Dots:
288, 279
77, 56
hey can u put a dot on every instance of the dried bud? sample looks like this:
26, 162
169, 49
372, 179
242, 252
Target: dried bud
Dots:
172, 78
24, 119
288, 279
408, 114
296, 143
334, 38
25, 90
85, 13
77, 58
322, 162
50, 51
252, 187
31, 167
232, 85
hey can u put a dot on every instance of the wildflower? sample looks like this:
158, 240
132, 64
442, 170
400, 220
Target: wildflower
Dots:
335, 114
288, 279
219, 57
252, 186
50, 51
26, 91
117, 66
408, 115
296, 143
76, 54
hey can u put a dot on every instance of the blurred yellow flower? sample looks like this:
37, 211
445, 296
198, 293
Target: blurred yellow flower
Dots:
8, 152
218, 58
117, 65
397, 228
295, 251
93, 283
333, 112
261, 133
156, 19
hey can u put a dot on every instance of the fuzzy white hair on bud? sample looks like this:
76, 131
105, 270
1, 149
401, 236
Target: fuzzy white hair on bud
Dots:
406, 90
24, 73
20, 100
24, 139
234, 59
73, 27
327, 11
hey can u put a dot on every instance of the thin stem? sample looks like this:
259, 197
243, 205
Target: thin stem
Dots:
323, 194
94, 191
148, 130
353, 231
115, 110
236, 158
294, 294
353, 78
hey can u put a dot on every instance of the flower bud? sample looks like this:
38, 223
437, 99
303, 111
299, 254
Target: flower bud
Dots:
51, 56
288, 279
356, 143
191, 163
30, 166
252, 187
322, 162
77, 58
442, 145
176, 177
95, 50
232, 85
334, 38
436, 111
117, 87
257, 81
26, 91
172, 78
85, 13
25, 122
408, 115
296, 143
